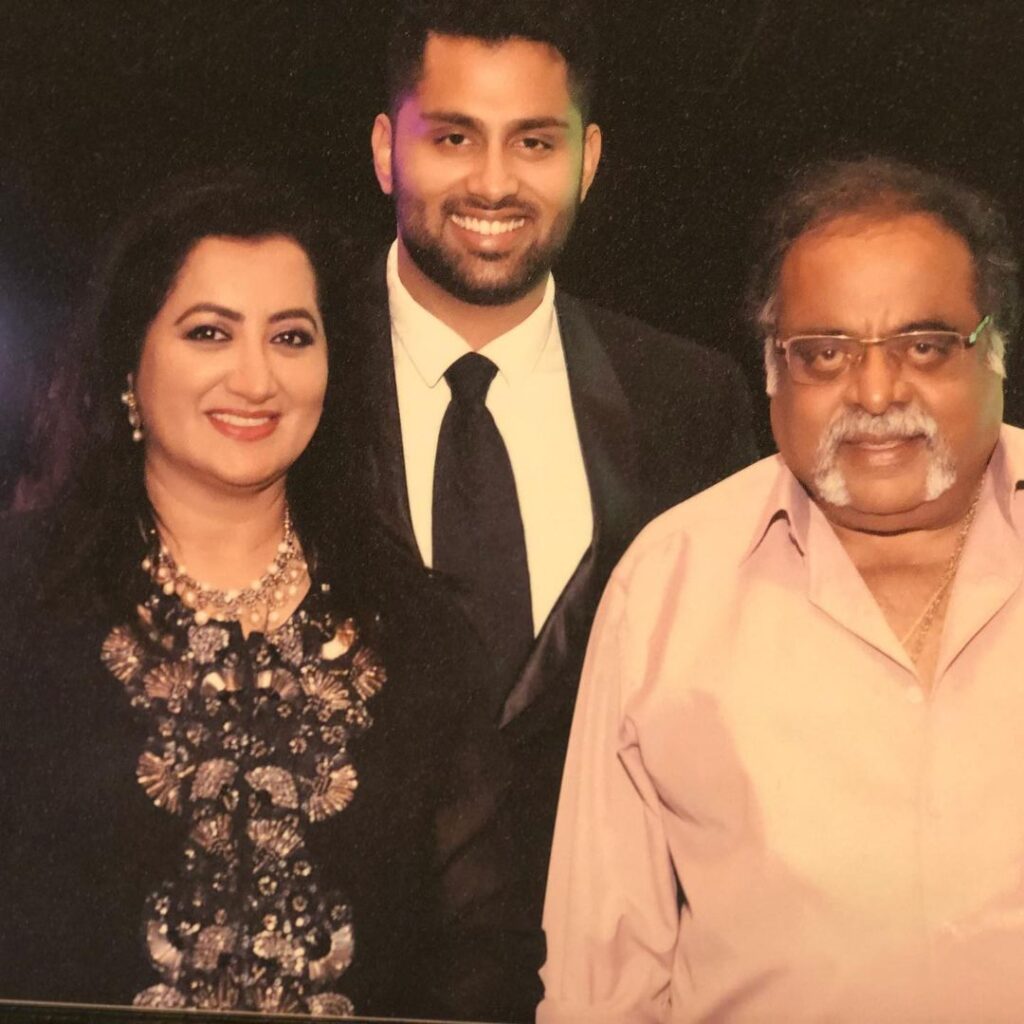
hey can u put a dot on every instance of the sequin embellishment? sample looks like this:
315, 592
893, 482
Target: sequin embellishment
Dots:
249, 743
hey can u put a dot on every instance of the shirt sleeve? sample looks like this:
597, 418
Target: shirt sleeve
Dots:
611, 915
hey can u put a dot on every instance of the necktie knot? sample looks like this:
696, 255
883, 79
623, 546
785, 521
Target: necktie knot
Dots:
469, 377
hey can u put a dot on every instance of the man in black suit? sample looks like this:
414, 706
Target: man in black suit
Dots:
514, 440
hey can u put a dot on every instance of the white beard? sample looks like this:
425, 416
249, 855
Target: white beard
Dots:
895, 422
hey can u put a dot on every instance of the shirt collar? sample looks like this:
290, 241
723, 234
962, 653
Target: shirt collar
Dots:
788, 503
432, 346
1007, 469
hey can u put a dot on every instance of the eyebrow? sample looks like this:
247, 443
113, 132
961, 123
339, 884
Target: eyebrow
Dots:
293, 314
230, 314
210, 307
525, 124
927, 325
904, 328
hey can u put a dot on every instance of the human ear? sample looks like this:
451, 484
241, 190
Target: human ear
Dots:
381, 139
591, 158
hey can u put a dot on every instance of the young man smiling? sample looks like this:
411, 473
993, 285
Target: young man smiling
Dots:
488, 159
514, 439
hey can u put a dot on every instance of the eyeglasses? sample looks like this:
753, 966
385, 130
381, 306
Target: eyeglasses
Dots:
822, 359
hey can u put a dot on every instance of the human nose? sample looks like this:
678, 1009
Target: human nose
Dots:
492, 177
876, 381
251, 375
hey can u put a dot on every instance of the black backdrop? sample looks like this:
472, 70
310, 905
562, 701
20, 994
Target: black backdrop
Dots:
706, 106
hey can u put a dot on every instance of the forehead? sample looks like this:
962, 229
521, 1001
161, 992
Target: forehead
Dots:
228, 266
513, 79
866, 274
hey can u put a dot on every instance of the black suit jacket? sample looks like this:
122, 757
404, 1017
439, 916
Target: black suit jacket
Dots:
659, 419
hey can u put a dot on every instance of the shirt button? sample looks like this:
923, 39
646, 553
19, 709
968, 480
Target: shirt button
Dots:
915, 694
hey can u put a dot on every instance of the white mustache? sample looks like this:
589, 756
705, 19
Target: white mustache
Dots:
896, 423
893, 424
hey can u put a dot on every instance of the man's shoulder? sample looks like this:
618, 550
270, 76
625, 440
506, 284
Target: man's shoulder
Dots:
626, 338
721, 521
1013, 438
689, 405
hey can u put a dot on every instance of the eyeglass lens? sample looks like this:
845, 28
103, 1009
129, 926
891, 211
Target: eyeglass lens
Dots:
814, 360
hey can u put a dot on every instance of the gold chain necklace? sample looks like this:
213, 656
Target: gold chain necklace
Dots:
263, 598
913, 640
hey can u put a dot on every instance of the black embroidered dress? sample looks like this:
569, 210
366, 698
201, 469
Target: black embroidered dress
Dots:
248, 742
159, 851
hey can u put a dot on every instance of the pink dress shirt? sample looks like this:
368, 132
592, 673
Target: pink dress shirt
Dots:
750, 732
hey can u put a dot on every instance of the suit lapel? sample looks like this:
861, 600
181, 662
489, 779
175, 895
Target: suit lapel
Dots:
608, 442
378, 418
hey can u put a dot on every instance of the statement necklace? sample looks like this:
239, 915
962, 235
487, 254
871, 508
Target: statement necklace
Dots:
264, 598
913, 640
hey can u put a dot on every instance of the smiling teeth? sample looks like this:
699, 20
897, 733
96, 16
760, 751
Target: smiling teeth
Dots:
488, 227
240, 421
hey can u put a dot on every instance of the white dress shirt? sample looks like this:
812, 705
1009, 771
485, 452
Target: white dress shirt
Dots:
532, 408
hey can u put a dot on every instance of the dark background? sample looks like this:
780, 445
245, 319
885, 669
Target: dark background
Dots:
706, 107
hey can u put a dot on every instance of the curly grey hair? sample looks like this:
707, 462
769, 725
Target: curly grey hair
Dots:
831, 189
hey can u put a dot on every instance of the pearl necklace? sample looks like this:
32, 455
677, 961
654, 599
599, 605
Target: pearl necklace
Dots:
262, 600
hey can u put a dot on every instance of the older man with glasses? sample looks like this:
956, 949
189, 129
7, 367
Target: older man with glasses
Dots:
795, 784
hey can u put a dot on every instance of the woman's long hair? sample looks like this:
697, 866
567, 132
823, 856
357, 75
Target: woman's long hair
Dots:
85, 468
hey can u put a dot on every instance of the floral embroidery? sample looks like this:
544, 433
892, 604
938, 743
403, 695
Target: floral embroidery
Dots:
249, 743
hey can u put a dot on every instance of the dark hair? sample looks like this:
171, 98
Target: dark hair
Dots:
567, 25
831, 189
86, 469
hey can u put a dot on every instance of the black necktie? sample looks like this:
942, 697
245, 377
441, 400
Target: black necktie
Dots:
478, 531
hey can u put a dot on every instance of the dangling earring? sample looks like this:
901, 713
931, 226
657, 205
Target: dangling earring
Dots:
129, 400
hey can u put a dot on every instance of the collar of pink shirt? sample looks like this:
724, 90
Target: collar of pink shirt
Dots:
990, 571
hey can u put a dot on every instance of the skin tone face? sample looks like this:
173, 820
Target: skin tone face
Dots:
871, 276
488, 160
233, 369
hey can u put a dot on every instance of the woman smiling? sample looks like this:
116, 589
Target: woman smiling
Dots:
217, 787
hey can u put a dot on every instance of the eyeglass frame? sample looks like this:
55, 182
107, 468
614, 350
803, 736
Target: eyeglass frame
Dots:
967, 341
